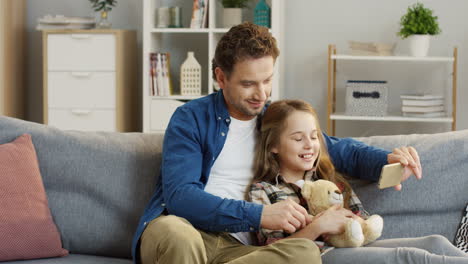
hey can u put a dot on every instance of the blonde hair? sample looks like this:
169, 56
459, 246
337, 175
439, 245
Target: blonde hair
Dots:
266, 164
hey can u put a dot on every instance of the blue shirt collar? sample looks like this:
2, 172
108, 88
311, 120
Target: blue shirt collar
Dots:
221, 110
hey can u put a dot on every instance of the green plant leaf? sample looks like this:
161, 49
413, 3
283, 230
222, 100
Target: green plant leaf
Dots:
103, 5
418, 20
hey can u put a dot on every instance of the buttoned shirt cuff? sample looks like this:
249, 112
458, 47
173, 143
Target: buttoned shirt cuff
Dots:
253, 215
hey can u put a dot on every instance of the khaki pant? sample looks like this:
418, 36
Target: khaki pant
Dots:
171, 239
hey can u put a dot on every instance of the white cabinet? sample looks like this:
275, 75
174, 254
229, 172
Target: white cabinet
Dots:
179, 41
449, 91
90, 80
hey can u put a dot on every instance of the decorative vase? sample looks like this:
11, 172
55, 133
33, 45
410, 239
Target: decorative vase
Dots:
190, 76
419, 45
232, 17
262, 14
104, 22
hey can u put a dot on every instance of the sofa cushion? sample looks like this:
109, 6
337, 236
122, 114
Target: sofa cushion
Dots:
75, 259
98, 183
432, 205
27, 228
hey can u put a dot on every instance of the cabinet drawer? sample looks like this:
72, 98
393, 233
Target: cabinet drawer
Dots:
161, 112
83, 119
81, 89
81, 52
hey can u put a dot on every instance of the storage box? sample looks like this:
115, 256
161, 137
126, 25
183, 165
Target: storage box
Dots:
366, 98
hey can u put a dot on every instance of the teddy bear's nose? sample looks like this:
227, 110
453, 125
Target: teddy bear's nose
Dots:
337, 192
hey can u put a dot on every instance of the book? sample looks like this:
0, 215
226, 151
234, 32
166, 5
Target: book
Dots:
197, 14
421, 96
422, 109
153, 77
160, 74
205, 15
430, 114
166, 80
431, 102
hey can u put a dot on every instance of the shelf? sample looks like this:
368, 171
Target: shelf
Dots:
220, 30
180, 30
157, 110
177, 97
392, 58
398, 118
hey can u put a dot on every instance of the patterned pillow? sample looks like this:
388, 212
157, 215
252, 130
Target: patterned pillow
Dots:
27, 229
461, 239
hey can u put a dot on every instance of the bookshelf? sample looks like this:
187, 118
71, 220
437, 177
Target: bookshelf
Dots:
157, 110
333, 115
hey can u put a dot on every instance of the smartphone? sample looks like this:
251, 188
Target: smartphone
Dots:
391, 175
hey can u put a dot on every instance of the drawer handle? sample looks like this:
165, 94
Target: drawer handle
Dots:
80, 36
81, 74
80, 112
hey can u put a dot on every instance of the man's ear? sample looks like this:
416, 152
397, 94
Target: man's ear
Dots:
220, 77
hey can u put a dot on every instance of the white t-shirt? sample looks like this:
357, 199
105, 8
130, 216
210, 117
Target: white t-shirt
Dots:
233, 169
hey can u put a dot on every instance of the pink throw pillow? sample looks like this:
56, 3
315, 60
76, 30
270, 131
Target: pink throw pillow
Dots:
26, 227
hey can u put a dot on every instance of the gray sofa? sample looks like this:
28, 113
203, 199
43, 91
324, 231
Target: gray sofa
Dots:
98, 183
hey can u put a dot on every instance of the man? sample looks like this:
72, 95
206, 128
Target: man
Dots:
197, 214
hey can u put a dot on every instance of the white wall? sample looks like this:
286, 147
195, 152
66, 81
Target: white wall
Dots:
310, 25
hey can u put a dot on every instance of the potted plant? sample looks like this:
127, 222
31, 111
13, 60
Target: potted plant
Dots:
232, 12
418, 24
104, 6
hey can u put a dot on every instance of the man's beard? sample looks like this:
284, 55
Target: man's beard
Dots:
243, 108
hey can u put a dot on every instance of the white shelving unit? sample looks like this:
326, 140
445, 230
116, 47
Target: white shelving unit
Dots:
333, 116
178, 41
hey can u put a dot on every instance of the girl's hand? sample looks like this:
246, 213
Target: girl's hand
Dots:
332, 221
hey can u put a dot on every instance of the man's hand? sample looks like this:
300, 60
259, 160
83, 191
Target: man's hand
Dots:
409, 158
287, 215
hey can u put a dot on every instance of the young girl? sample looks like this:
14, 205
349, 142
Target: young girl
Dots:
291, 149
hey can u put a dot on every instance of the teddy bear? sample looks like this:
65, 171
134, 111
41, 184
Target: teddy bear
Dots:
322, 194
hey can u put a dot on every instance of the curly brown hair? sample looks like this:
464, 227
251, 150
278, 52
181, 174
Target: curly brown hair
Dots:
243, 41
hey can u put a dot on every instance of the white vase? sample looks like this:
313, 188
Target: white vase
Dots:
419, 45
190, 76
232, 17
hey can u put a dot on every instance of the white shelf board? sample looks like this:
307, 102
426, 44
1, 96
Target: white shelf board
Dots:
342, 116
220, 30
224, 30
392, 58
177, 97
180, 30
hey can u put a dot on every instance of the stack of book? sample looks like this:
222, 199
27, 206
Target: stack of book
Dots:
371, 48
423, 105
199, 14
160, 77
63, 22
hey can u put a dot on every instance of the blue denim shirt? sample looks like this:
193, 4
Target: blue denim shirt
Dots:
193, 140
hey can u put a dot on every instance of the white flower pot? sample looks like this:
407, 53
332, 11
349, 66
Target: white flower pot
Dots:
419, 45
232, 17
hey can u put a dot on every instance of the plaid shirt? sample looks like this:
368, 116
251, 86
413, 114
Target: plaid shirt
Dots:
267, 193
